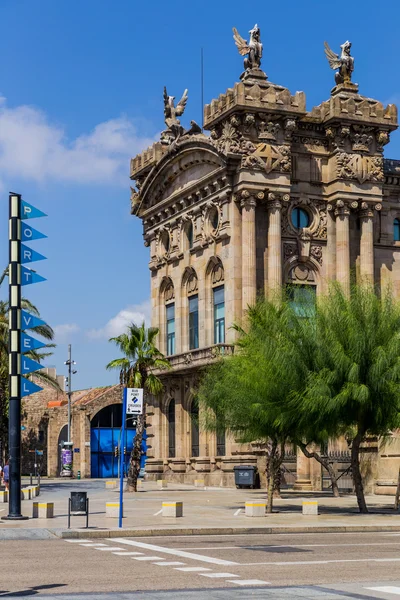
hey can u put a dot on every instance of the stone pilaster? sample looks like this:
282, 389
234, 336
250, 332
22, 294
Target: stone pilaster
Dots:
303, 472
249, 283
367, 244
331, 243
342, 213
274, 245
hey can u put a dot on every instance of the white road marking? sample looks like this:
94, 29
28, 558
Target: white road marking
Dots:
388, 589
290, 546
237, 512
147, 558
93, 545
125, 553
108, 549
216, 575
180, 553
169, 564
157, 513
322, 562
191, 569
249, 582
78, 541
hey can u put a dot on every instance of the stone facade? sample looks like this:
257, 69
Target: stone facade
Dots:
221, 209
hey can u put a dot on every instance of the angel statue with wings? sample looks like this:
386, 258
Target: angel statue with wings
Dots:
253, 48
344, 62
171, 112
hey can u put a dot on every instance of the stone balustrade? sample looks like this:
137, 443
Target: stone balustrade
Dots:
198, 357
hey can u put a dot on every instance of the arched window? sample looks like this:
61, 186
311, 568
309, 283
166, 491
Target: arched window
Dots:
189, 234
194, 416
396, 230
219, 314
170, 314
221, 443
300, 218
171, 429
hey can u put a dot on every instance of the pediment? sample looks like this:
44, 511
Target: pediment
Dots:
179, 171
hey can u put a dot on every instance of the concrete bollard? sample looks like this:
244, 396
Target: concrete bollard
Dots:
111, 485
25, 494
310, 507
43, 510
4, 496
172, 509
112, 509
254, 508
162, 484
37, 490
199, 483
140, 485
32, 490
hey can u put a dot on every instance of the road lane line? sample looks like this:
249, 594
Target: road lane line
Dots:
261, 546
78, 541
108, 549
93, 545
157, 513
237, 512
147, 558
321, 562
248, 582
125, 553
386, 589
180, 553
169, 563
218, 575
191, 569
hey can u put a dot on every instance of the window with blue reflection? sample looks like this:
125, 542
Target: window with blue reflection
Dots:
170, 329
300, 218
193, 322
219, 315
302, 299
396, 230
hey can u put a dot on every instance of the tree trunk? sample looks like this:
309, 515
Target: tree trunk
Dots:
356, 473
270, 472
325, 463
134, 464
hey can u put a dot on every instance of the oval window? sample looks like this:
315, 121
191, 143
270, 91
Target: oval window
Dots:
165, 242
214, 218
300, 218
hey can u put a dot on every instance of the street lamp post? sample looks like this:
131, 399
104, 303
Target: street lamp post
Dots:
67, 450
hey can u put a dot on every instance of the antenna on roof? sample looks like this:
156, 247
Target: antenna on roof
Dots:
202, 88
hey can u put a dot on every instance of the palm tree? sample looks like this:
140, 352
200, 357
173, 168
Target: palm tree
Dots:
141, 358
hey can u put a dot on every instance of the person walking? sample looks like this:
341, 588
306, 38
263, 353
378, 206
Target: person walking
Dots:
6, 475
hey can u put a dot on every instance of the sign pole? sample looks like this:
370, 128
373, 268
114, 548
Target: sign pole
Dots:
122, 460
14, 414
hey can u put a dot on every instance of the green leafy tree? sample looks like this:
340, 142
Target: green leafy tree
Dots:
355, 383
137, 365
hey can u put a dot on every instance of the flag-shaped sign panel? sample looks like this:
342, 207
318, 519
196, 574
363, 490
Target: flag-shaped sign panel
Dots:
28, 387
29, 366
28, 255
30, 212
29, 321
29, 343
28, 233
28, 277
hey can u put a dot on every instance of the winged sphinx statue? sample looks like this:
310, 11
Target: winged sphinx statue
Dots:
252, 48
344, 62
171, 113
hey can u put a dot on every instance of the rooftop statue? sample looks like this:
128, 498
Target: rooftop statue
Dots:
171, 112
253, 48
344, 62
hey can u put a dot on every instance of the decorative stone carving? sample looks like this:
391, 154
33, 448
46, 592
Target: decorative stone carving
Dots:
192, 283
217, 275
362, 168
135, 201
275, 158
252, 49
317, 211
268, 128
344, 62
316, 253
362, 138
289, 250
169, 293
382, 138
174, 128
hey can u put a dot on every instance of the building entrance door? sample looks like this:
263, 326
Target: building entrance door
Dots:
105, 436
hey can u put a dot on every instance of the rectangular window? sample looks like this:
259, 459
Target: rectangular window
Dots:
302, 299
193, 322
219, 315
170, 309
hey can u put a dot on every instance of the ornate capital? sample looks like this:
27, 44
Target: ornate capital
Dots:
342, 209
366, 211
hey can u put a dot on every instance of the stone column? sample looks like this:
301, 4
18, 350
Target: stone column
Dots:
249, 283
367, 244
342, 213
274, 245
331, 243
303, 480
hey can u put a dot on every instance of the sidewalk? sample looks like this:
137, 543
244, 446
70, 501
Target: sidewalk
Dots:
206, 511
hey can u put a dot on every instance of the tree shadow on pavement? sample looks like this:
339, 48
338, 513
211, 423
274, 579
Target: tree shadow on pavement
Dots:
30, 591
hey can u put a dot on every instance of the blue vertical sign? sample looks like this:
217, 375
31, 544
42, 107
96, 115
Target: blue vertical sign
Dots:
28, 277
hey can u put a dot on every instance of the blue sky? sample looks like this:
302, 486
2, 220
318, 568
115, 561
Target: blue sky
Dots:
81, 86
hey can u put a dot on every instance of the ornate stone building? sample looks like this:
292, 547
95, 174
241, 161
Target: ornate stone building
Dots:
273, 194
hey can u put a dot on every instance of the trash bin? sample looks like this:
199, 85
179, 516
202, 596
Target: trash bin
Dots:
245, 476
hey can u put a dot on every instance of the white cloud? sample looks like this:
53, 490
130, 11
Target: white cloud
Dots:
135, 313
64, 332
33, 148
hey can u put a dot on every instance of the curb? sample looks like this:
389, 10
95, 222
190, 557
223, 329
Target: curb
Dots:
110, 533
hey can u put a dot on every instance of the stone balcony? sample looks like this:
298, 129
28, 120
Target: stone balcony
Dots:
185, 362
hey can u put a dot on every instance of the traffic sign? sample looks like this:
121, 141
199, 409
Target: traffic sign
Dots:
134, 401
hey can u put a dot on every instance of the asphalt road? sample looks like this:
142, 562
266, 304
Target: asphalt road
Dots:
307, 566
